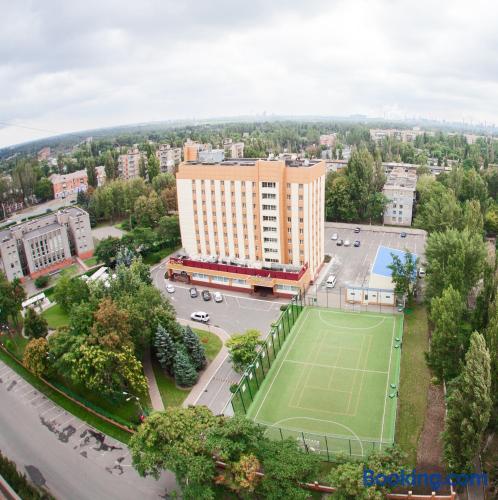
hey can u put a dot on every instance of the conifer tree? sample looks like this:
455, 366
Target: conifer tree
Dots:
468, 408
194, 348
185, 373
165, 349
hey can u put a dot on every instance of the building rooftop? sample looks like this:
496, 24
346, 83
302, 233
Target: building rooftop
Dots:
250, 162
55, 178
399, 178
42, 230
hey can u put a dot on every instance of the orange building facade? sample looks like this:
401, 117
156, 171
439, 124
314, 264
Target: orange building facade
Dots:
253, 225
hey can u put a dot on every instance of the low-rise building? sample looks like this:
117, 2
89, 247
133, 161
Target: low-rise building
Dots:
233, 150
328, 140
67, 184
43, 154
403, 135
399, 189
101, 175
168, 158
129, 163
191, 150
45, 244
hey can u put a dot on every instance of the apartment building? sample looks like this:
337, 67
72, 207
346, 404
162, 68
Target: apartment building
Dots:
233, 150
400, 190
328, 140
67, 184
168, 158
101, 175
129, 163
45, 244
404, 135
251, 225
191, 150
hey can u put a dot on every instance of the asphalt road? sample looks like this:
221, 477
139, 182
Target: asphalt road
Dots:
235, 314
63, 454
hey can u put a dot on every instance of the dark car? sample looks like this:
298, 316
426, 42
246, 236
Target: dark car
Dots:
357, 229
339, 243
193, 292
206, 295
403, 235
357, 243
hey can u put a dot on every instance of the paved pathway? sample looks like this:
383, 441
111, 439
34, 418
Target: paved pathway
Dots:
57, 450
155, 395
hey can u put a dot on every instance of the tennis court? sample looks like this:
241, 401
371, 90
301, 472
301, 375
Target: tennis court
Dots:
333, 385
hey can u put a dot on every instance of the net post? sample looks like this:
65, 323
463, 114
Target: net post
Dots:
281, 435
350, 451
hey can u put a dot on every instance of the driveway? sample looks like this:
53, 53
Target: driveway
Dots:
103, 232
65, 455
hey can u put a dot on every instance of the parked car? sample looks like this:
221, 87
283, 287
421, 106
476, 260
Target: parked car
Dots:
206, 295
331, 281
421, 272
339, 243
170, 289
334, 236
201, 316
347, 243
357, 243
193, 292
218, 297
403, 235
357, 229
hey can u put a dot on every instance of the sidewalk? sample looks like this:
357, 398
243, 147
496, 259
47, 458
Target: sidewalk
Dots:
155, 395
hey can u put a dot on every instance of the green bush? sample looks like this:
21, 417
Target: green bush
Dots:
42, 281
283, 307
233, 388
19, 483
327, 258
153, 258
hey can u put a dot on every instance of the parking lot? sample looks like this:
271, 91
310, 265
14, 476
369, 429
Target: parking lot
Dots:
352, 265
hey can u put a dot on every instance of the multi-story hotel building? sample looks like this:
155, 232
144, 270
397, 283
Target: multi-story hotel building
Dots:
67, 184
253, 225
129, 164
45, 244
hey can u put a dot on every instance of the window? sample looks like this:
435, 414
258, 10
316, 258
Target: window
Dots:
268, 184
200, 276
289, 208
289, 219
270, 240
270, 250
300, 196
300, 186
237, 281
269, 196
220, 279
288, 196
269, 229
272, 218
301, 220
269, 207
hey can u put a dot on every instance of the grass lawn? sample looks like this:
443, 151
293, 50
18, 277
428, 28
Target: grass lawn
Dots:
414, 383
68, 405
170, 394
16, 344
92, 261
155, 257
70, 270
55, 317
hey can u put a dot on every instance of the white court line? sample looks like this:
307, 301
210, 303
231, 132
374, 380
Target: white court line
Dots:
332, 366
282, 364
387, 386
350, 327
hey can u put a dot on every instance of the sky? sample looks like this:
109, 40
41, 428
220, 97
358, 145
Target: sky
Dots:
75, 65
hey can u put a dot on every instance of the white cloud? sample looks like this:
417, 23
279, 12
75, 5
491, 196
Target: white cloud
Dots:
67, 66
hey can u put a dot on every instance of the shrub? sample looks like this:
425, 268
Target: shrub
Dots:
283, 307
153, 258
42, 281
233, 388
327, 258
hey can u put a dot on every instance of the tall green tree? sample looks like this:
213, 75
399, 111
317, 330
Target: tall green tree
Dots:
450, 334
492, 343
360, 175
44, 190
468, 408
165, 349
152, 167
454, 258
11, 297
404, 275
35, 357
194, 348
70, 291
142, 167
185, 372
35, 325
91, 172
242, 349
473, 219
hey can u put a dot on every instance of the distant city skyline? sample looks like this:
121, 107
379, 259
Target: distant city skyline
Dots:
67, 67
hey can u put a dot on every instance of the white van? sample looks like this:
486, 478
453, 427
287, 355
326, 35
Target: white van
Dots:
331, 281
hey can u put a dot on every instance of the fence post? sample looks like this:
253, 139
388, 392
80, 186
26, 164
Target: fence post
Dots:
246, 378
281, 435
304, 443
255, 375
327, 446
242, 400
350, 451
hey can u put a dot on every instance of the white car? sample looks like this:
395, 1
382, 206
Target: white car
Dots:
334, 236
170, 289
331, 281
347, 243
203, 317
421, 272
218, 297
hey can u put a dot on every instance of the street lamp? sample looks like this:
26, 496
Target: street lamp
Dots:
137, 400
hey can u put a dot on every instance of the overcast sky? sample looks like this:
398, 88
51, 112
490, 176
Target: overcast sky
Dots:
73, 65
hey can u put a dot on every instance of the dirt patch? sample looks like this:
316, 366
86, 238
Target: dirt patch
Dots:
430, 446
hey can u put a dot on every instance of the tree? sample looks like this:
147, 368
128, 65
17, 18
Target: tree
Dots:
165, 349
360, 175
169, 199
148, 210
152, 167
454, 258
350, 476
110, 166
169, 230
69, 292
194, 348
173, 440
492, 343
35, 357
82, 317
162, 181
64, 347
491, 219
44, 190
472, 217
285, 466
24, 177
107, 249
404, 275
468, 408
35, 325
450, 336
142, 167
111, 328
11, 297
185, 373
109, 371
338, 203
91, 172
242, 349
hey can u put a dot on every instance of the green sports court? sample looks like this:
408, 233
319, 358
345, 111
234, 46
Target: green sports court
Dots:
333, 385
